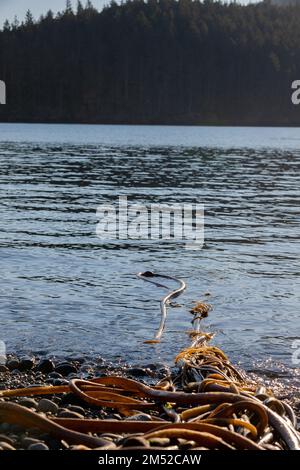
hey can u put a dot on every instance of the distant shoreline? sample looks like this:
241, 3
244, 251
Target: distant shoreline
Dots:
154, 63
157, 123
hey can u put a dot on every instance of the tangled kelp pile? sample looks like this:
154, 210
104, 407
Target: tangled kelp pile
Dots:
206, 404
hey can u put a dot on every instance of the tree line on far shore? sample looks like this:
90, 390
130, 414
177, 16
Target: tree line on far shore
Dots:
154, 61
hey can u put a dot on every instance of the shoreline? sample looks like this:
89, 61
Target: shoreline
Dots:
51, 399
32, 371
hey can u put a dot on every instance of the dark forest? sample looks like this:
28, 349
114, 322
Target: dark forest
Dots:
154, 62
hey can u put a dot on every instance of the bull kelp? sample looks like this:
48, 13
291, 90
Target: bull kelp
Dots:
206, 403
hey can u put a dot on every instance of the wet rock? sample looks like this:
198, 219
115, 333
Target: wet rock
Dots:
134, 442
151, 366
26, 363
139, 417
64, 413
49, 381
38, 446
28, 441
80, 360
76, 409
185, 445
47, 406
3, 368
65, 368
158, 368
56, 399
55, 375
164, 371
137, 372
88, 368
12, 364
6, 439
71, 399
73, 376
55, 444
28, 403
38, 375
58, 382
45, 366
159, 441
6, 446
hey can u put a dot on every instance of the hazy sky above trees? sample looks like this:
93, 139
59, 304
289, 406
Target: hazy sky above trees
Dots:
10, 8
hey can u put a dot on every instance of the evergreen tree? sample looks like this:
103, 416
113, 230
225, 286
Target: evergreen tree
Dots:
6, 26
69, 8
49, 15
15, 23
80, 8
29, 20
89, 7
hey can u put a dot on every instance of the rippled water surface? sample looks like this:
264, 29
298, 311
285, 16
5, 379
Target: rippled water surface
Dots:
63, 291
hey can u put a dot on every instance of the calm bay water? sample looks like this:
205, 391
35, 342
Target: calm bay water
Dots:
64, 292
